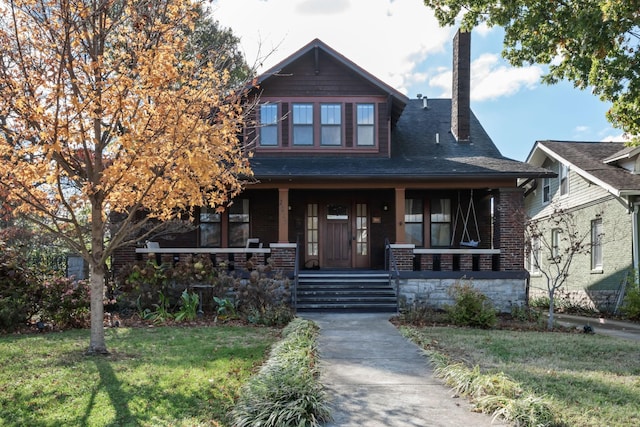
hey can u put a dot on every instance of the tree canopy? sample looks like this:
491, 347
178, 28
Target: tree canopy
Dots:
592, 43
104, 115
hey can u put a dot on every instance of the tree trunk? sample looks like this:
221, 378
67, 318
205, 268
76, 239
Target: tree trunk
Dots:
551, 319
97, 343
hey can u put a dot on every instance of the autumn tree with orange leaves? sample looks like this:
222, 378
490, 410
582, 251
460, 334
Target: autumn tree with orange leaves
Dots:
106, 111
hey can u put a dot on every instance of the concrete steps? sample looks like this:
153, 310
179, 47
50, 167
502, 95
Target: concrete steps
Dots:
345, 291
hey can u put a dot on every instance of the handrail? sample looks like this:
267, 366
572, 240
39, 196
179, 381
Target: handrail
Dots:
392, 265
296, 272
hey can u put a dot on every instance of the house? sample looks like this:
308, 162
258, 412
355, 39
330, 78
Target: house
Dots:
352, 176
598, 183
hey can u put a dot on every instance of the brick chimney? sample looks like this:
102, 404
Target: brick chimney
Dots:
460, 104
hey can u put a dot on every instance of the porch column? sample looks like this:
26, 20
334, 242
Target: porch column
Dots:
400, 233
283, 215
509, 228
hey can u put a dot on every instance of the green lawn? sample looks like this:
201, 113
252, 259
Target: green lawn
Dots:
590, 380
155, 376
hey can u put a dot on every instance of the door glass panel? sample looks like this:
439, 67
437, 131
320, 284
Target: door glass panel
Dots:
337, 212
312, 229
362, 231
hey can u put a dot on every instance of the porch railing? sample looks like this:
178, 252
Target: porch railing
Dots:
392, 265
222, 255
296, 272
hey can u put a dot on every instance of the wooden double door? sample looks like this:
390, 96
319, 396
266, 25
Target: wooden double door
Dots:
338, 234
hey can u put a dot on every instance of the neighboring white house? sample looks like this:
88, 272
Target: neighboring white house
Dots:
599, 184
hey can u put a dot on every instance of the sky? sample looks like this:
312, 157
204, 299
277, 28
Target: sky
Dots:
401, 43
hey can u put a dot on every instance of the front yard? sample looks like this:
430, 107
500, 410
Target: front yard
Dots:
588, 380
155, 376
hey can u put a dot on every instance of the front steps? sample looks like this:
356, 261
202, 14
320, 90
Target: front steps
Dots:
345, 291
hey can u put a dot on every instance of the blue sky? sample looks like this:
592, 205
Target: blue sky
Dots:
400, 42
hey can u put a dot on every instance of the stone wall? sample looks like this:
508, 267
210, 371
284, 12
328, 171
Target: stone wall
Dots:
434, 292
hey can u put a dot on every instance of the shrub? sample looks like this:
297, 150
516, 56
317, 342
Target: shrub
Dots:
19, 290
471, 308
286, 391
65, 302
631, 305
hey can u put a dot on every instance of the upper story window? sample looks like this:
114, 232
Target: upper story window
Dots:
331, 124
546, 190
366, 124
302, 124
269, 125
563, 176
327, 123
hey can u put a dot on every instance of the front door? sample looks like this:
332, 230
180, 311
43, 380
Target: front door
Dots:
337, 236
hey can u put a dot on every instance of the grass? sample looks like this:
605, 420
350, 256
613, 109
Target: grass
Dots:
161, 376
588, 380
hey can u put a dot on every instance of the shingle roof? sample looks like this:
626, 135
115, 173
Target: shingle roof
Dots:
414, 155
589, 159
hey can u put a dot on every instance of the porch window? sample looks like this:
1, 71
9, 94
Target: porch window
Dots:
302, 124
239, 223
596, 245
331, 124
563, 176
546, 190
362, 232
210, 228
413, 222
440, 222
312, 229
365, 124
269, 125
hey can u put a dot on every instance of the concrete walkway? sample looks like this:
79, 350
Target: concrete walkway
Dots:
375, 377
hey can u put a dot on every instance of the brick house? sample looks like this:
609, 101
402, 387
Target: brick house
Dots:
352, 176
598, 183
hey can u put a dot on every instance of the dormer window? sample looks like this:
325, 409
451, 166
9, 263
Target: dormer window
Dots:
331, 124
365, 122
269, 125
302, 124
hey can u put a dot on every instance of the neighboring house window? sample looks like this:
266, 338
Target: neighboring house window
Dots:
268, 125
440, 222
413, 223
365, 124
239, 223
210, 228
555, 243
331, 124
596, 244
302, 124
312, 230
534, 256
564, 179
546, 190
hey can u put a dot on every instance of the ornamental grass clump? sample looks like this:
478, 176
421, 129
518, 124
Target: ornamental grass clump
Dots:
286, 391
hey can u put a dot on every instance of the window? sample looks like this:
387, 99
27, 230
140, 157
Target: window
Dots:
440, 222
210, 228
302, 124
555, 243
312, 229
563, 176
239, 223
546, 190
268, 125
330, 124
362, 232
365, 124
413, 224
596, 244
534, 256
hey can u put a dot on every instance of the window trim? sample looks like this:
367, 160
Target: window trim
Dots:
264, 125
358, 126
349, 131
563, 179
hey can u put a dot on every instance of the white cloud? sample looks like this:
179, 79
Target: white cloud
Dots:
387, 38
491, 78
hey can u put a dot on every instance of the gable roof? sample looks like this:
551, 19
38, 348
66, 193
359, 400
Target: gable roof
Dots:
593, 161
415, 154
398, 99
